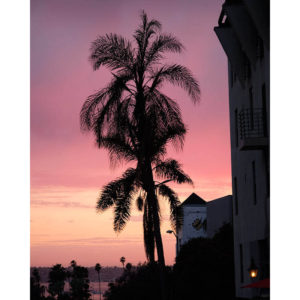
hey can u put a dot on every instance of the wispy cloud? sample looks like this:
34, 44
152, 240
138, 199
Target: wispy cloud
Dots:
100, 241
66, 204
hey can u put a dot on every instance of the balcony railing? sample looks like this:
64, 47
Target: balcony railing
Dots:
252, 129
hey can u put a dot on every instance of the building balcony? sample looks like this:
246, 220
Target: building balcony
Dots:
253, 129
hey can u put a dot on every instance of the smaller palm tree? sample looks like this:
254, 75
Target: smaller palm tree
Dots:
73, 263
98, 269
128, 267
57, 277
122, 260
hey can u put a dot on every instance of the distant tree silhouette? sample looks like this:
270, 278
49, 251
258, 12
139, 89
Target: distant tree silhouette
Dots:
37, 291
79, 282
98, 269
135, 121
122, 260
128, 267
73, 263
57, 277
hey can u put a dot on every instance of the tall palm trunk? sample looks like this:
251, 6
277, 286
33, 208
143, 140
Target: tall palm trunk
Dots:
149, 238
151, 197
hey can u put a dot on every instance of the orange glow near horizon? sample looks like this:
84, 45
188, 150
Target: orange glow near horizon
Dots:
67, 169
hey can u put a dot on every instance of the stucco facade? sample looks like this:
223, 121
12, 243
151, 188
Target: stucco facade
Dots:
243, 30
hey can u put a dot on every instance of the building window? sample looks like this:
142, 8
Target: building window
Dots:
241, 264
254, 183
236, 128
235, 190
251, 108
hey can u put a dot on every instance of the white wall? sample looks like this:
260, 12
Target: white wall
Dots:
190, 214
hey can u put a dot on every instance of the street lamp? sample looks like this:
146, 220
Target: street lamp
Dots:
253, 270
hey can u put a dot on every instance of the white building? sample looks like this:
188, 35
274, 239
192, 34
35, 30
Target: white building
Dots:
194, 220
243, 30
203, 218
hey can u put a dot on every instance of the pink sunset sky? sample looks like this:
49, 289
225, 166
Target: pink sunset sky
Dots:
68, 170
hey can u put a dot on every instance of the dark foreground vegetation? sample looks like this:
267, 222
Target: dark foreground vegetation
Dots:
204, 267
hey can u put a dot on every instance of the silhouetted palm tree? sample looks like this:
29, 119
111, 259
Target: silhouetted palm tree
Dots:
128, 267
98, 269
135, 121
134, 91
122, 261
37, 290
79, 283
73, 263
57, 277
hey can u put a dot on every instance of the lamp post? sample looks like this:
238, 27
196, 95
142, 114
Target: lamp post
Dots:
253, 270
177, 244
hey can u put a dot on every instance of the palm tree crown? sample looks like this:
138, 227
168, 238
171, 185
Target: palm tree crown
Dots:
134, 91
122, 260
98, 267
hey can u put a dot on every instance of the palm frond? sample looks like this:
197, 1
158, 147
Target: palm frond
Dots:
122, 213
119, 150
171, 169
167, 109
128, 187
143, 34
176, 217
163, 43
108, 196
100, 106
174, 134
119, 193
112, 51
88, 109
180, 76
